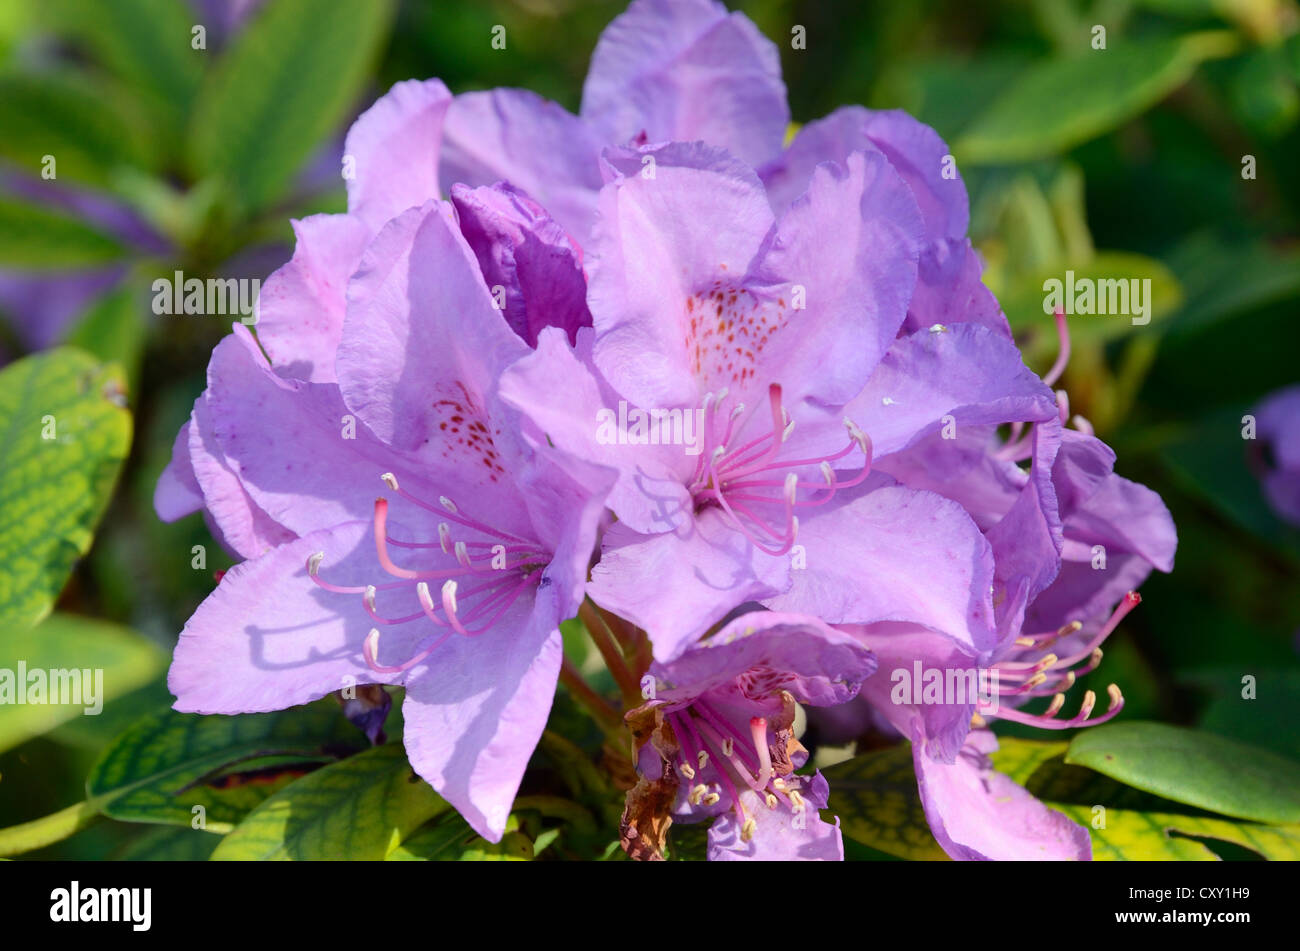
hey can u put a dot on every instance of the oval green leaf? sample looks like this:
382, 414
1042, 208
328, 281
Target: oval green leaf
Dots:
285, 83
168, 763
360, 808
1061, 103
1192, 767
65, 434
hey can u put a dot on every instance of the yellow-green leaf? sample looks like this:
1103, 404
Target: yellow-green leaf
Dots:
876, 798
65, 434
361, 808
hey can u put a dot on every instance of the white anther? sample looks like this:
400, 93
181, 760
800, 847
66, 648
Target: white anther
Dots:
778, 783
771, 801
747, 830
462, 554
313, 562
737, 410
791, 487
422, 592
828, 473
390, 480
703, 759
449, 594
728, 746
686, 770
856, 434
448, 504
789, 425
369, 597
796, 800
938, 329
444, 536
718, 453
886, 401
697, 794
710, 800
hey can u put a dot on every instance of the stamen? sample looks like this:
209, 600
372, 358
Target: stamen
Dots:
758, 730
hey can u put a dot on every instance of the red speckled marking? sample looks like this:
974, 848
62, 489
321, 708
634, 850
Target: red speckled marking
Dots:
727, 328
464, 433
763, 681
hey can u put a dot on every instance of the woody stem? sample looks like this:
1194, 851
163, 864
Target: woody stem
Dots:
603, 638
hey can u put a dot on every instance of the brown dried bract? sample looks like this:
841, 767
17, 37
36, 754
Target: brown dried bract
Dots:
648, 812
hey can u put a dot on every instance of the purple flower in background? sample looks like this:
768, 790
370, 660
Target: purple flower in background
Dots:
457, 593
42, 305
1277, 460
716, 740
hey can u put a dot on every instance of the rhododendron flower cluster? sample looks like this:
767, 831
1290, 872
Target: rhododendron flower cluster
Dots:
847, 467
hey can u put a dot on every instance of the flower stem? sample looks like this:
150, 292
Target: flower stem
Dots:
596, 705
603, 638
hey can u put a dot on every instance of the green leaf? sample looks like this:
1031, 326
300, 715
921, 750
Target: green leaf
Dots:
65, 435
170, 844
360, 808
147, 43
283, 86
1060, 103
112, 329
35, 238
117, 660
168, 763
450, 839
1224, 278
1134, 825
88, 134
1196, 768
876, 798
1156, 836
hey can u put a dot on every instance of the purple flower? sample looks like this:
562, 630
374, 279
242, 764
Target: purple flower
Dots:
457, 592
973, 811
716, 740
530, 258
752, 332
1277, 421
